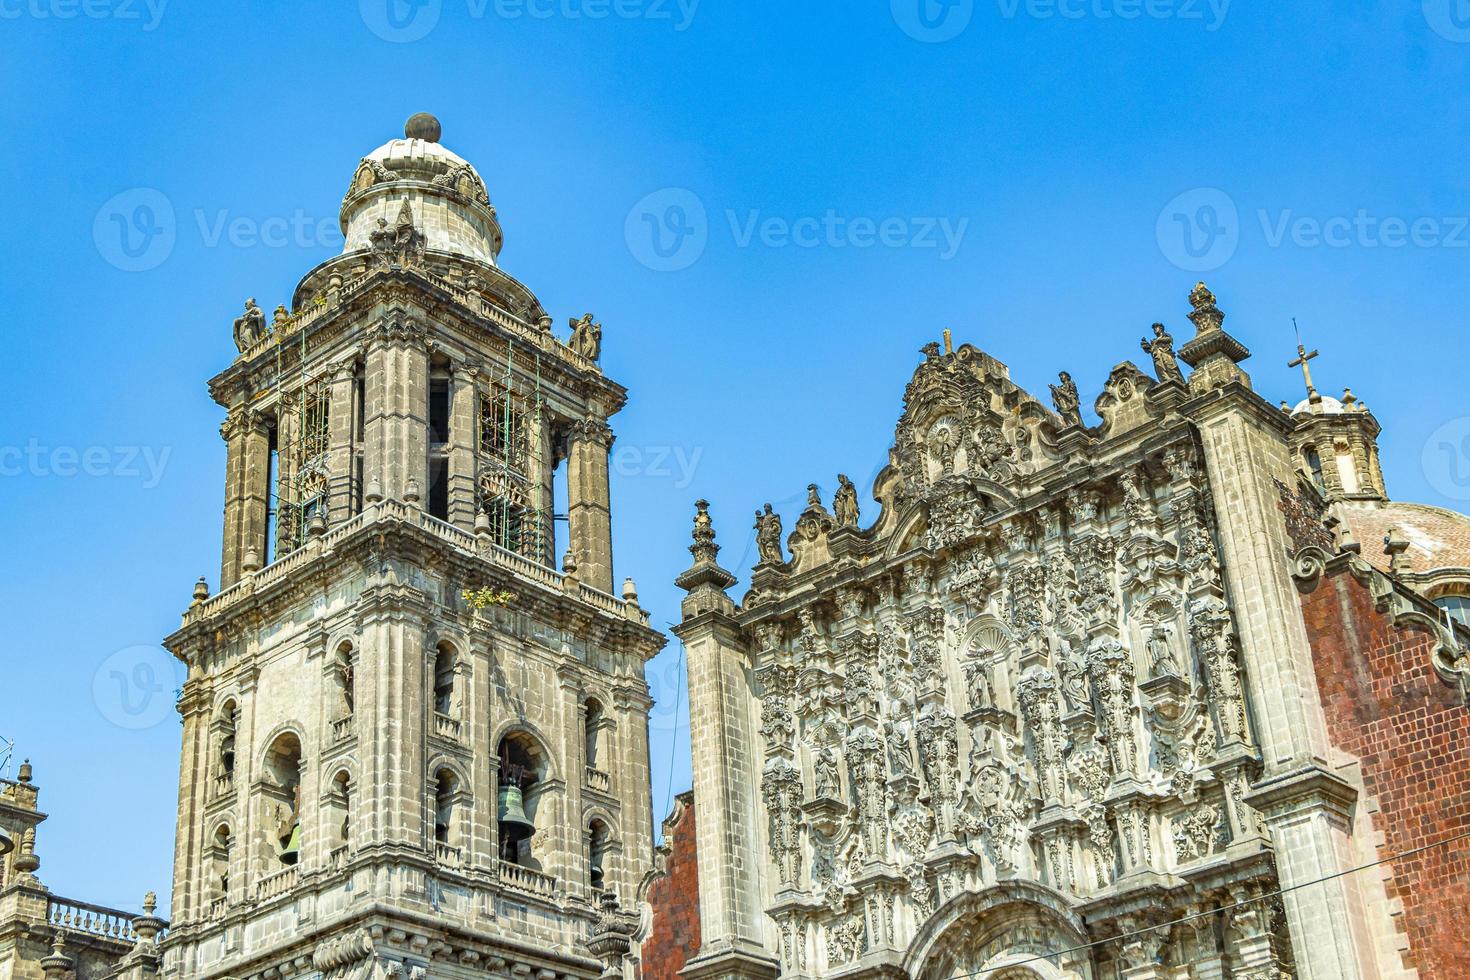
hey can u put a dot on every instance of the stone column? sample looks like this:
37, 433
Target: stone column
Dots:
464, 410
480, 724
588, 507
572, 710
196, 787
396, 413
341, 441
1248, 462
247, 491
723, 736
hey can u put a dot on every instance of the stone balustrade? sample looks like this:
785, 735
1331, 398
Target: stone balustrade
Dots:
276, 884
515, 878
598, 780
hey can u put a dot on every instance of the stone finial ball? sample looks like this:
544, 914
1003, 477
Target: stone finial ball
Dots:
422, 126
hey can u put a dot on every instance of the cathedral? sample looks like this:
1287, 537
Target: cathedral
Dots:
1178, 696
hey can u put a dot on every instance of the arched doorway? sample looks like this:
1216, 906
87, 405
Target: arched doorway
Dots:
1015, 931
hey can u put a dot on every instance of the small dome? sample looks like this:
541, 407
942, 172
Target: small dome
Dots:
445, 194
1327, 405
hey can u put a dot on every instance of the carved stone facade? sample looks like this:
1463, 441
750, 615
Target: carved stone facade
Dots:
1053, 714
411, 745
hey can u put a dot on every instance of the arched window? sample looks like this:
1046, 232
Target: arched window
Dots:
226, 724
598, 838
341, 802
1457, 607
283, 769
593, 730
1314, 466
345, 675
220, 851
445, 788
444, 681
522, 774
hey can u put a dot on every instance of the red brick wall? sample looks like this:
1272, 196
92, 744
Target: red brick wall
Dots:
673, 938
1387, 706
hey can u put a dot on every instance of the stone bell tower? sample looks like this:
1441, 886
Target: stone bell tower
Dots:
411, 744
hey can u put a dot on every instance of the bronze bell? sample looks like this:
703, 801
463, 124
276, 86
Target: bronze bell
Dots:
291, 845
514, 824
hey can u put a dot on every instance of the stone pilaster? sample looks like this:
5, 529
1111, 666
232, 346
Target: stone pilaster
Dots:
1246, 454
725, 741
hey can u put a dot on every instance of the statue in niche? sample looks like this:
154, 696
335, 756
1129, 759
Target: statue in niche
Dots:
981, 683
828, 783
1067, 401
249, 326
1073, 676
900, 751
845, 504
768, 536
1162, 661
586, 338
1161, 349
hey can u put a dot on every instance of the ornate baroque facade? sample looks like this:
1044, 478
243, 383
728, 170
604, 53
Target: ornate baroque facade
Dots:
1056, 712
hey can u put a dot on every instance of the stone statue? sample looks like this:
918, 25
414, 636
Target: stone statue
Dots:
1162, 661
981, 684
1161, 349
814, 496
1068, 403
1074, 679
845, 504
900, 751
249, 326
401, 244
586, 338
828, 784
768, 536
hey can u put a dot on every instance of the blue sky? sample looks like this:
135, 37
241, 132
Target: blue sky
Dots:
831, 186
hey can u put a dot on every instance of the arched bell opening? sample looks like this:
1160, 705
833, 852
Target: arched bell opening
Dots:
445, 677
592, 731
446, 788
599, 841
225, 723
339, 823
283, 789
522, 773
344, 677
220, 850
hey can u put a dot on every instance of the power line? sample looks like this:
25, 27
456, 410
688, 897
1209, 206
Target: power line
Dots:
1212, 912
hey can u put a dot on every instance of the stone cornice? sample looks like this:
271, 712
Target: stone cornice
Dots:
443, 304
393, 531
